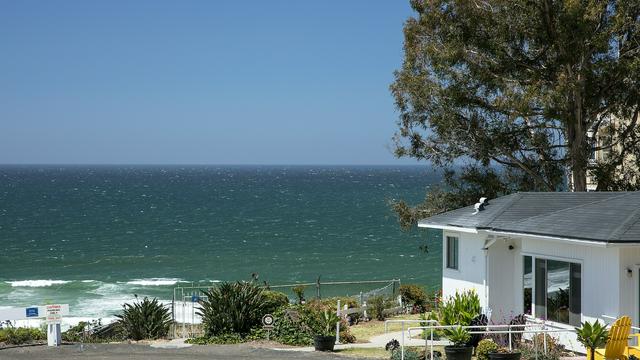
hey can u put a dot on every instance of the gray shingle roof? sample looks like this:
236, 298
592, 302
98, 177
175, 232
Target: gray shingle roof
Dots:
611, 217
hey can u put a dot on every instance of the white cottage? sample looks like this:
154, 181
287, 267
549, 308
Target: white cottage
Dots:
561, 257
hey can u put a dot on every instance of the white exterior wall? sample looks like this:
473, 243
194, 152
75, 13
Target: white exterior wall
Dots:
600, 273
629, 284
471, 266
502, 279
607, 287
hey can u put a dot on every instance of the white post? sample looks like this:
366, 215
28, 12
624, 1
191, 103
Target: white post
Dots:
54, 335
338, 323
184, 316
426, 340
544, 338
402, 345
431, 341
364, 306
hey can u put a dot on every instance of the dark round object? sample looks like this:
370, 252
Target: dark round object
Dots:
458, 352
324, 343
504, 356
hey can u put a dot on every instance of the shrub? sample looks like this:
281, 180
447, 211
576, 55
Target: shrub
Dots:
76, 333
21, 335
535, 348
409, 354
218, 340
232, 308
289, 329
485, 346
346, 337
299, 291
375, 306
459, 309
414, 296
274, 300
146, 319
332, 302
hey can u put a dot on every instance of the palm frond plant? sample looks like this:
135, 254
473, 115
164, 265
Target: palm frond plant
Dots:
146, 319
592, 336
232, 308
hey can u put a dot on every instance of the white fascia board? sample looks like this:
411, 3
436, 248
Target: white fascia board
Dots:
554, 239
448, 228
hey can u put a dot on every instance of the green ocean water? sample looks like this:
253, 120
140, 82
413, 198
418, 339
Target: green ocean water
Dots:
93, 236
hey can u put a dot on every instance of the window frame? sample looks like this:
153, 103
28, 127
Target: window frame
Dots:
456, 253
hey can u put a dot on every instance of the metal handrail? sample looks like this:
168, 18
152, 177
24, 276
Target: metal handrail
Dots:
487, 328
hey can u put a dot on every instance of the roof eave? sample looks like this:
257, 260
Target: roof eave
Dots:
448, 227
587, 242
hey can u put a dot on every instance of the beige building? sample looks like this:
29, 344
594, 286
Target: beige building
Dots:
606, 136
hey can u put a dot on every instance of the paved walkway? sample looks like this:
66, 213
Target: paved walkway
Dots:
378, 341
146, 352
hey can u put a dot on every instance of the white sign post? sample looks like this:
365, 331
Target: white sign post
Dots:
54, 318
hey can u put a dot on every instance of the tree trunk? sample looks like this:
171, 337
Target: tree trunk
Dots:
578, 153
577, 144
579, 175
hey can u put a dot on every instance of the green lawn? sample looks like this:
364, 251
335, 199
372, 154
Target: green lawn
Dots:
366, 330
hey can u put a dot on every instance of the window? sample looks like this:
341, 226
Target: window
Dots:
556, 289
527, 282
452, 252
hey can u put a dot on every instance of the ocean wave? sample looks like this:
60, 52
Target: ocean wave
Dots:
154, 282
36, 283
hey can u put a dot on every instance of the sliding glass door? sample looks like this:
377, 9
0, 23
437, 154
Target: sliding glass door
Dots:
556, 290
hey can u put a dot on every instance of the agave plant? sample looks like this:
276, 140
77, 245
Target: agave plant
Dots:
592, 336
458, 336
146, 319
232, 308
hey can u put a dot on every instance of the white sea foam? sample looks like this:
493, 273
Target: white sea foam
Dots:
154, 282
36, 283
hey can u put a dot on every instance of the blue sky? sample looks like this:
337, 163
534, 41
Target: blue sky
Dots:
199, 82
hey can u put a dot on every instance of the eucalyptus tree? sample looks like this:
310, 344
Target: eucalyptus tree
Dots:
513, 89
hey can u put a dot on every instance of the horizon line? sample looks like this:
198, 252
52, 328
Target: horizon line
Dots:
201, 164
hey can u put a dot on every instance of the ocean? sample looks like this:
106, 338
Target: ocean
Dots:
96, 236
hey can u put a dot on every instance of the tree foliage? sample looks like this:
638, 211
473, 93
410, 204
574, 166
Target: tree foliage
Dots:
513, 88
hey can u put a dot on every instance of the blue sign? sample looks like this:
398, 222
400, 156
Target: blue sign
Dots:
32, 312
195, 298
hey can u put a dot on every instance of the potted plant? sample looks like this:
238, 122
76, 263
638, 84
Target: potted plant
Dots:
503, 353
592, 336
459, 350
323, 327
